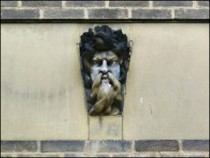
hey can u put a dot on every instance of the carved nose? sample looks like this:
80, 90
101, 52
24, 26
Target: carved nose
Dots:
104, 68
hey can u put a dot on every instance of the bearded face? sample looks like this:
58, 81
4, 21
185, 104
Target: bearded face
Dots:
105, 55
106, 88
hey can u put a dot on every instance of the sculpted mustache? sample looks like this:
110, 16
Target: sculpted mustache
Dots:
107, 77
103, 74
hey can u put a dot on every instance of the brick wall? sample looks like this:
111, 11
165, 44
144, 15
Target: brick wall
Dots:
114, 10
108, 148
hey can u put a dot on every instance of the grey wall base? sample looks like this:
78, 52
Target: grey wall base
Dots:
105, 148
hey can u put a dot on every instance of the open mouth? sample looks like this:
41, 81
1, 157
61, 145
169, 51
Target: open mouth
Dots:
104, 76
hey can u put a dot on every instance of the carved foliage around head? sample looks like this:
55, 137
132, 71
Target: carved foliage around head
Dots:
103, 38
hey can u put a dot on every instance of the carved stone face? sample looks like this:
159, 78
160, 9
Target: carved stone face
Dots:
104, 62
105, 55
106, 88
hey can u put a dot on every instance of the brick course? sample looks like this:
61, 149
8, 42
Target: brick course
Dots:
62, 146
195, 145
41, 4
63, 14
203, 3
18, 146
107, 14
124, 10
85, 4
151, 14
157, 145
192, 14
20, 14
173, 3
106, 148
129, 4
9, 3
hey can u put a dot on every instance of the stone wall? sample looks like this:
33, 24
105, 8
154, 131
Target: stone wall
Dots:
43, 111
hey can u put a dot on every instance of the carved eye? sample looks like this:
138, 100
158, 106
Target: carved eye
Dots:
97, 62
111, 62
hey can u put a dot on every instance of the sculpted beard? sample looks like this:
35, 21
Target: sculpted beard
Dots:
105, 55
106, 90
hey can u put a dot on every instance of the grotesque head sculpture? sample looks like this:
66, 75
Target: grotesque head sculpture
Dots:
105, 55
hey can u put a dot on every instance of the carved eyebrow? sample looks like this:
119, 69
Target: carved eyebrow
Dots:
108, 58
112, 58
95, 59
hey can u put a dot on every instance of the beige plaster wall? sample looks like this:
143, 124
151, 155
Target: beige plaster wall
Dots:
167, 88
41, 87
168, 82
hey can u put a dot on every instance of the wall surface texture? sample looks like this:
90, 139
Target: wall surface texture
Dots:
167, 85
42, 87
43, 110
